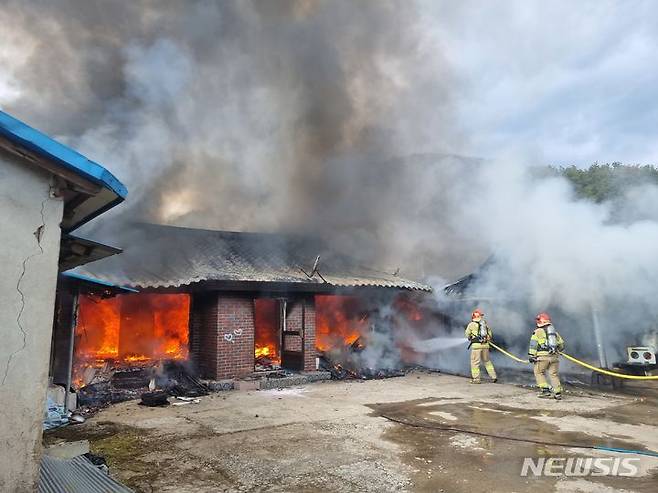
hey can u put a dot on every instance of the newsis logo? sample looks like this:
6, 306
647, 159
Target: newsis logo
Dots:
580, 466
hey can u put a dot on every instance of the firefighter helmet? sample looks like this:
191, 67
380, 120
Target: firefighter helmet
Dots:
477, 314
543, 319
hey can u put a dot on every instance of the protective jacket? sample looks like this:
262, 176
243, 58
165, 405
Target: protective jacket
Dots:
472, 333
539, 344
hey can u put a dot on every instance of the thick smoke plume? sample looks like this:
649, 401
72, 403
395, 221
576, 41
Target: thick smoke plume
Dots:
320, 117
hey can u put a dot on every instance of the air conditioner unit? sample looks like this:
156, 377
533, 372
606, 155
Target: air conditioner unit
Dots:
641, 355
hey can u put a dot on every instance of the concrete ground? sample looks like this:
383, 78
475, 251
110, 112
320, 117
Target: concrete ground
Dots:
378, 435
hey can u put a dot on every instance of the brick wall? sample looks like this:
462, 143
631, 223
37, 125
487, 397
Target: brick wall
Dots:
235, 346
204, 334
309, 335
301, 317
294, 322
222, 333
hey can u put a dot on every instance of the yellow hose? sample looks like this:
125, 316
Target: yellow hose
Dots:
509, 354
608, 372
582, 363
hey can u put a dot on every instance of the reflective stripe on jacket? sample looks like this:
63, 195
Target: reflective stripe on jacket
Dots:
539, 342
473, 331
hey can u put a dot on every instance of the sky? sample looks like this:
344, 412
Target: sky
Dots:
564, 82
561, 82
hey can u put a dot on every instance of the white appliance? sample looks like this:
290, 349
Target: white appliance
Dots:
641, 355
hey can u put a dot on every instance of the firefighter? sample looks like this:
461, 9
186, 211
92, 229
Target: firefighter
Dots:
545, 344
479, 334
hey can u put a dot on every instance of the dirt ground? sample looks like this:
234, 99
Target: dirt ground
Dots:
378, 435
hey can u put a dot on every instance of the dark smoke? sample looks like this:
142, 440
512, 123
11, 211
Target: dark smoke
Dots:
324, 117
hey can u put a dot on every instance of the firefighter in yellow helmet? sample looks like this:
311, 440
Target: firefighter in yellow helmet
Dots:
479, 334
543, 354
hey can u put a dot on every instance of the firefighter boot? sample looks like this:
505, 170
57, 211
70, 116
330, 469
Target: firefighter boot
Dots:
558, 396
545, 393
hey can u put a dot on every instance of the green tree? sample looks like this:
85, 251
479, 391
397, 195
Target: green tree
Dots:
603, 182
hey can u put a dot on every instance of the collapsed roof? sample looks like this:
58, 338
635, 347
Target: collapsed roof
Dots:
467, 288
157, 256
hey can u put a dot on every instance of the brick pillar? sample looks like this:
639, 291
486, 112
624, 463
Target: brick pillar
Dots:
309, 334
235, 338
204, 334
195, 322
301, 318
294, 323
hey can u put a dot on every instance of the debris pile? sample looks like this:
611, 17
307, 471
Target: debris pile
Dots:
265, 363
279, 374
116, 382
56, 416
346, 363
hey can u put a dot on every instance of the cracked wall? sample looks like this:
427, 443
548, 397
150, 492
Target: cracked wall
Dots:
30, 235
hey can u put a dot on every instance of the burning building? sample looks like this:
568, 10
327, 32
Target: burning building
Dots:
230, 303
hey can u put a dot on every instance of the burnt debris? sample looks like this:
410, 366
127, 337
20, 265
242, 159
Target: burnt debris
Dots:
119, 382
346, 363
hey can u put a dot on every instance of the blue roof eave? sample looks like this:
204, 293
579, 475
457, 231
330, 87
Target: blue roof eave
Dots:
38, 142
93, 280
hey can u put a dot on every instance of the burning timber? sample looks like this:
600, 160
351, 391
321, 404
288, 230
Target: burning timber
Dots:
346, 363
117, 382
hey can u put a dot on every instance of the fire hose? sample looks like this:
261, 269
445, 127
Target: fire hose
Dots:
453, 429
583, 364
509, 355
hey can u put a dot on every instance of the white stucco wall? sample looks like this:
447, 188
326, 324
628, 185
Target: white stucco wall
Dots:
27, 297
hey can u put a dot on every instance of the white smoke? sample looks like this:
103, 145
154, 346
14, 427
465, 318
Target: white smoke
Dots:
553, 251
564, 251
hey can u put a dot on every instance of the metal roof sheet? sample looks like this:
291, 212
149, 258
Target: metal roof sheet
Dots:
99, 282
77, 475
75, 251
167, 256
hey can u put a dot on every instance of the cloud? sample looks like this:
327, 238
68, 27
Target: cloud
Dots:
569, 82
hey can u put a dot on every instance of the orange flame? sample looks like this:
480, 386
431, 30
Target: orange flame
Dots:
266, 330
340, 320
409, 309
133, 328
264, 351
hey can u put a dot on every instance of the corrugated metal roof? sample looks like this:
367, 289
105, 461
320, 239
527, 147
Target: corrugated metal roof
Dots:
460, 286
167, 256
76, 475
474, 286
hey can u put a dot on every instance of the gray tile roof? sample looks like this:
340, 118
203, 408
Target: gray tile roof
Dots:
168, 256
